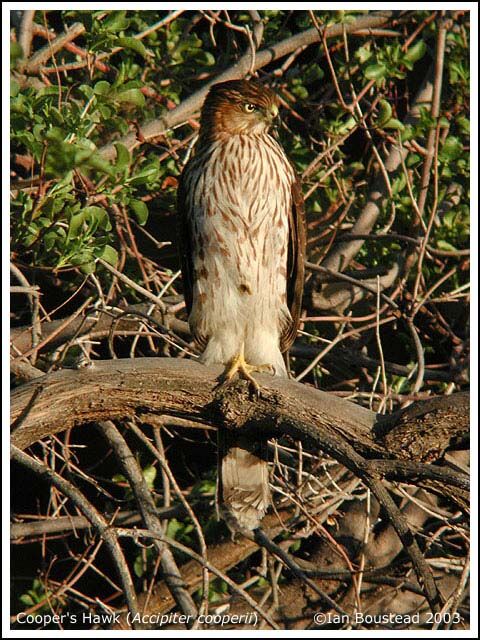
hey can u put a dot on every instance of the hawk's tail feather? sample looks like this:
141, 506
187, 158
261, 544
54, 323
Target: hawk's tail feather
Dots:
243, 492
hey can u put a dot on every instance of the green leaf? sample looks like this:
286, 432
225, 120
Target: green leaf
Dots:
98, 217
92, 216
445, 246
146, 175
313, 73
140, 210
82, 258
16, 52
393, 123
109, 254
204, 58
87, 268
56, 134
464, 124
87, 90
123, 156
75, 225
14, 87
173, 528
139, 566
416, 52
27, 600
150, 473
133, 96
102, 88
95, 161
363, 54
134, 45
38, 132
50, 239
384, 113
399, 184
116, 21
347, 126
451, 149
375, 72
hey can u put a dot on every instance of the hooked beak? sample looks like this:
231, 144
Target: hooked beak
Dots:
273, 112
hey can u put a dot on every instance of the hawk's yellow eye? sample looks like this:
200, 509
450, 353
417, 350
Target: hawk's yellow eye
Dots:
249, 108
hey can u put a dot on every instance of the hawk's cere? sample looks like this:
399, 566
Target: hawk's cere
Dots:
242, 240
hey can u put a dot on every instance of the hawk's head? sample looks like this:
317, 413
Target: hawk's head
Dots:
238, 106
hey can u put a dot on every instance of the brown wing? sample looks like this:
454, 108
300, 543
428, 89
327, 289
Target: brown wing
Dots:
295, 264
186, 241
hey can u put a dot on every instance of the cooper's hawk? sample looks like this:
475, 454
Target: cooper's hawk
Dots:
242, 237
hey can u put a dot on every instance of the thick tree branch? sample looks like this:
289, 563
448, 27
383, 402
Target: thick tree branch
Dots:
129, 388
114, 389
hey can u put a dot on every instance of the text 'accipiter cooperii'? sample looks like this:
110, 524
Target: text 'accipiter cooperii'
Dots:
242, 237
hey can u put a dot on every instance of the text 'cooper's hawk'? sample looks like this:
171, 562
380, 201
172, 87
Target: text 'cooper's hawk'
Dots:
242, 237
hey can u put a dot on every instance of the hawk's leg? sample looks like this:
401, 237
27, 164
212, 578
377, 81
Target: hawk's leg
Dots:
239, 366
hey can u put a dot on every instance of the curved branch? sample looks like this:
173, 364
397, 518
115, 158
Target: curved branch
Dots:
127, 388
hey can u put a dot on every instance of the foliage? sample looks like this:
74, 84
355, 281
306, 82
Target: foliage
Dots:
76, 212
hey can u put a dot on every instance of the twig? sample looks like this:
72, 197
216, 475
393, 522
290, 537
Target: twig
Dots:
97, 520
26, 35
420, 356
67, 524
148, 509
33, 293
147, 533
431, 148
322, 353
131, 283
39, 58
380, 348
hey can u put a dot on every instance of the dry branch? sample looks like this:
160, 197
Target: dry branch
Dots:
96, 519
167, 386
39, 58
146, 503
132, 388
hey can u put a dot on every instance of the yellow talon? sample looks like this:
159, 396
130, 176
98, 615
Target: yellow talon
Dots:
238, 365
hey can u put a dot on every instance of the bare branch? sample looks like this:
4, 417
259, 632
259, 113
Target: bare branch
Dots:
39, 58
148, 509
97, 520
26, 35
